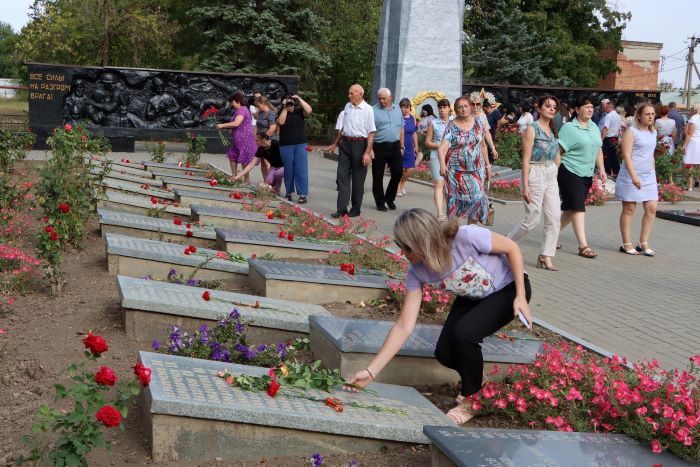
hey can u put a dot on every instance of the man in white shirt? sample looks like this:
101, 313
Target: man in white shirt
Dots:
354, 140
610, 126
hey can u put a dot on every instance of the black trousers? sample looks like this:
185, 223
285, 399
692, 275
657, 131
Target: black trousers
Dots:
386, 153
469, 321
610, 157
351, 175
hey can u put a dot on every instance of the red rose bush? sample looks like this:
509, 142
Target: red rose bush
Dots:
95, 405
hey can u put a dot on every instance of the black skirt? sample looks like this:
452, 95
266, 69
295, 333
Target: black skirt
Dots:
573, 189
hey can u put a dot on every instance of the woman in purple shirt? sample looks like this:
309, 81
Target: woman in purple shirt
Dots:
242, 149
485, 271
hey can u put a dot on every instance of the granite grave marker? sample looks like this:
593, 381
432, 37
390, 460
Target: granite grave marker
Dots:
140, 204
685, 216
248, 242
237, 218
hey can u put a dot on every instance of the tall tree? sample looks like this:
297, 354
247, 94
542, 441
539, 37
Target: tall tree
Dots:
8, 62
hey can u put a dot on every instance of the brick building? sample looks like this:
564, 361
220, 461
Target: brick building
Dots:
639, 66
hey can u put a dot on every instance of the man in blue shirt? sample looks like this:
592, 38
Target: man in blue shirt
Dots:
387, 148
680, 122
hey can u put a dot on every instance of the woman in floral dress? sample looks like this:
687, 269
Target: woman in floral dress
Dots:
464, 165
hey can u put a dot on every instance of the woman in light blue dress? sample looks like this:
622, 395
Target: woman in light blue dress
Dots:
637, 180
433, 138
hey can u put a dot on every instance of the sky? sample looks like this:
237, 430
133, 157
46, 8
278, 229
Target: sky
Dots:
670, 22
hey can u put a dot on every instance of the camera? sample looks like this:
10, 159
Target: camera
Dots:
289, 101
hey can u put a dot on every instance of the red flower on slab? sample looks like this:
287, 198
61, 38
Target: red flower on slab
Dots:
270, 215
189, 233
192, 249
273, 388
308, 148
64, 208
142, 373
95, 344
109, 416
237, 195
283, 234
348, 267
105, 376
188, 225
206, 296
213, 182
154, 200
290, 237
177, 221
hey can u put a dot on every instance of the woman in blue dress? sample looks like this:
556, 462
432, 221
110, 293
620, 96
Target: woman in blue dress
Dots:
409, 144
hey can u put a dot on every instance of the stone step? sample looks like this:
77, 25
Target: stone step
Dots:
192, 185
247, 242
313, 283
172, 168
137, 257
188, 197
237, 218
129, 178
116, 186
140, 204
192, 415
116, 163
157, 173
153, 228
351, 344
122, 168
467, 446
151, 307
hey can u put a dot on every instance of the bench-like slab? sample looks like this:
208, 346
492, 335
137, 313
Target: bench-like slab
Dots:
690, 217
130, 169
168, 167
313, 283
140, 204
463, 447
116, 163
137, 257
121, 186
192, 185
152, 307
197, 177
188, 197
351, 344
129, 178
192, 415
248, 242
153, 228
237, 218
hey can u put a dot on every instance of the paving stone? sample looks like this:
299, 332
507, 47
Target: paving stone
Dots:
114, 186
153, 228
172, 168
231, 217
192, 415
351, 344
198, 177
137, 257
313, 283
151, 307
463, 447
691, 217
139, 204
248, 242
115, 174
188, 197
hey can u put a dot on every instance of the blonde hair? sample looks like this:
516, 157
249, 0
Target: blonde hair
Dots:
419, 231
638, 117
694, 109
476, 97
263, 100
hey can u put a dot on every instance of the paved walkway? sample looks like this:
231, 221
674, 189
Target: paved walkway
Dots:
633, 306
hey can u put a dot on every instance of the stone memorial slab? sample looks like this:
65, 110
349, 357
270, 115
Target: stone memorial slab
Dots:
193, 185
691, 217
137, 257
313, 283
188, 197
169, 167
248, 242
184, 175
115, 186
153, 228
192, 415
237, 218
351, 344
117, 162
130, 169
140, 204
116, 175
466, 447
151, 307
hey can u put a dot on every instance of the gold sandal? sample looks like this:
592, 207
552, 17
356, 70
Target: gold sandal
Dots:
460, 414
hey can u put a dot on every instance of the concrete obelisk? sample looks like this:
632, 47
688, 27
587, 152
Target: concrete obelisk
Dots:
420, 48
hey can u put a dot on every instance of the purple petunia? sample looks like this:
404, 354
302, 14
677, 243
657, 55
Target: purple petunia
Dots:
155, 345
282, 349
192, 282
317, 460
172, 272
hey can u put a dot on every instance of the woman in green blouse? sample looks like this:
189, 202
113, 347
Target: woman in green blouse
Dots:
581, 144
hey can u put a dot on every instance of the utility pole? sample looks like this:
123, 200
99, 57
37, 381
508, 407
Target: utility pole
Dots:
688, 85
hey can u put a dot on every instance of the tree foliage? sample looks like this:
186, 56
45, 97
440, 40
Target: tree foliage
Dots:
565, 37
8, 39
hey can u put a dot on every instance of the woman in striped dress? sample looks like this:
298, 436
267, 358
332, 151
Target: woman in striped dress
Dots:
465, 166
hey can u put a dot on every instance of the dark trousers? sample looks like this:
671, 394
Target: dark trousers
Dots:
610, 157
386, 153
351, 174
469, 321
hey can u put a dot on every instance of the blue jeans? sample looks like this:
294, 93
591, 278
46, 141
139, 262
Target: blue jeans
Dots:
296, 168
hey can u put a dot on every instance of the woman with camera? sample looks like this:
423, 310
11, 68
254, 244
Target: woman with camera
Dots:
293, 146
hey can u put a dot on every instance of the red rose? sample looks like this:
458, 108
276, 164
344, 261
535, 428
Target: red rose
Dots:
192, 248
142, 373
109, 416
253, 256
283, 234
187, 251
48, 229
187, 165
188, 233
270, 215
95, 344
237, 195
64, 208
177, 221
290, 237
188, 225
206, 296
53, 236
105, 376
213, 182
273, 388
127, 161
308, 148
154, 200
67, 127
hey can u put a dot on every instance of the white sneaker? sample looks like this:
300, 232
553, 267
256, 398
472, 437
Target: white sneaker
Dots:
399, 194
403, 191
